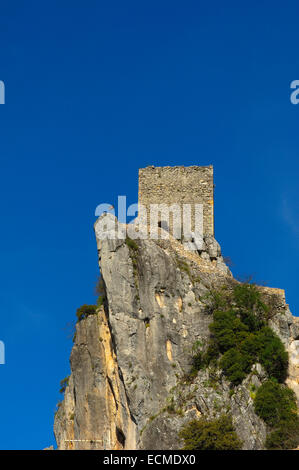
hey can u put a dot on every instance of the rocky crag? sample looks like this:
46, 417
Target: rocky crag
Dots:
127, 388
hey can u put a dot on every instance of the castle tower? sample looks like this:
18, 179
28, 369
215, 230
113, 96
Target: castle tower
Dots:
179, 185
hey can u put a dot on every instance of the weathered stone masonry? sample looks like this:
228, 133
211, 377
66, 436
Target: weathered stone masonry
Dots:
179, 185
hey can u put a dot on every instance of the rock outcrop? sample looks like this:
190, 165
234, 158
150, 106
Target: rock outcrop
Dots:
126, 388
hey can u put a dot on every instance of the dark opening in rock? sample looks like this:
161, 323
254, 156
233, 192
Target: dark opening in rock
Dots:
120, 437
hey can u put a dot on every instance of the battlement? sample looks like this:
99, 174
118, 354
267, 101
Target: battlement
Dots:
179, 185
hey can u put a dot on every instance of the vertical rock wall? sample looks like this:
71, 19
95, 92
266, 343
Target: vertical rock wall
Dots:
126, 389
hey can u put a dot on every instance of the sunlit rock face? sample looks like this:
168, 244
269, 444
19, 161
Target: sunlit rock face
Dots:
126, 389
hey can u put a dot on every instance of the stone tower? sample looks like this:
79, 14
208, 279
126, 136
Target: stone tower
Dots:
179, 185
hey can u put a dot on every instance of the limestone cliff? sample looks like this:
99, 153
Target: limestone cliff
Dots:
125, 389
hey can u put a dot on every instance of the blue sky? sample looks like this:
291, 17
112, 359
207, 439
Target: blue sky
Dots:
95, 90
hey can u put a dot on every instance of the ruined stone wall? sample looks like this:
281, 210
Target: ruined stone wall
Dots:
179, 185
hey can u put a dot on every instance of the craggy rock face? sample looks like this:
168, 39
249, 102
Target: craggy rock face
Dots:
126, 389
94, 409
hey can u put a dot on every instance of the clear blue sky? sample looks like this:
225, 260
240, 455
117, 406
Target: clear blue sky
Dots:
95, 90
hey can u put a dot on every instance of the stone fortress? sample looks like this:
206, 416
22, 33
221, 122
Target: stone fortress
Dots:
179, 185
188, 185
139, 342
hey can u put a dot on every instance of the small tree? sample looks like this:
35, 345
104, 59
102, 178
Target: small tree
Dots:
63, 384
100, 291
217, 434
85, 311
275, 403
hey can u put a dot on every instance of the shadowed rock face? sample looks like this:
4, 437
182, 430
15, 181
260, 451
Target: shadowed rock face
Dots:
126, 389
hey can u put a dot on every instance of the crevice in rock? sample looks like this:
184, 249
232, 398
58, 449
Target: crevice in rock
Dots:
120, 437
121, 378
112, 391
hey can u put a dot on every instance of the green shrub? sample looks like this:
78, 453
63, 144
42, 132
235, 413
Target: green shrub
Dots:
272, 354
58, 405
285, 437
240, 334
134, 252
227, 329
183, 266
85, 311
63, 384
217, 434
248, 299
219, 299
275, 403
100, 291
100, 300
235, 366
131, 244
212, 353
249, 348
251, 320
240, 338
229, 333
197, 362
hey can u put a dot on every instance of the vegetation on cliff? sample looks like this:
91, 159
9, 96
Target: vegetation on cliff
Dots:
85, 310
276, 405
240, 338
217, 434
160, 316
